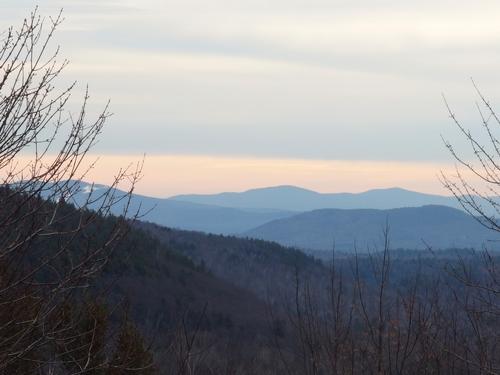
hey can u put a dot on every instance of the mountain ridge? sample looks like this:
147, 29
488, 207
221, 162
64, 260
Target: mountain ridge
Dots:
211, 218
296, 198
178, 214
439, 227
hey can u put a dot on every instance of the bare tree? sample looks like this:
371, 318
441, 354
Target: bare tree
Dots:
476, 186
49, 252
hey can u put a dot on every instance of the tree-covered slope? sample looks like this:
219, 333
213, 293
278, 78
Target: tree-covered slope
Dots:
410, 228
263, 267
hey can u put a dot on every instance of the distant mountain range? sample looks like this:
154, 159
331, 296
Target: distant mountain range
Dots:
187, 215
439, 227
298, 199
306, 219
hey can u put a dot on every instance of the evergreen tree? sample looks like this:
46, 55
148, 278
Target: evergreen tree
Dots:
131, 355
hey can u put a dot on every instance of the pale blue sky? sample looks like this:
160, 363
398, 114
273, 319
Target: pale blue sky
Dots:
298, 79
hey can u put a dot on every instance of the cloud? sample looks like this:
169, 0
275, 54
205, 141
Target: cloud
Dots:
307, 79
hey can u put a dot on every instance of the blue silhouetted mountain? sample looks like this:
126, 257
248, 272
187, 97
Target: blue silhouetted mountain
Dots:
298, 199
410, 228
179, 214
439, 226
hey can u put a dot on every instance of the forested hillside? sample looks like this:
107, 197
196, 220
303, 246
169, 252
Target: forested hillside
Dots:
436, 227
160, 291
266, 268
222, 304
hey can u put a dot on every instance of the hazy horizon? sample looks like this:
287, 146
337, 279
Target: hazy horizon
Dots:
342, 96
168, 175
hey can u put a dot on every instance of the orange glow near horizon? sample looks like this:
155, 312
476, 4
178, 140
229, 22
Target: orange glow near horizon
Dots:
167, 175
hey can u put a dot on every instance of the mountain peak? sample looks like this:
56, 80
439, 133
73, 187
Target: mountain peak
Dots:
281, 188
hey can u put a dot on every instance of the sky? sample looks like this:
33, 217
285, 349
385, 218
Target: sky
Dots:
227, 95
